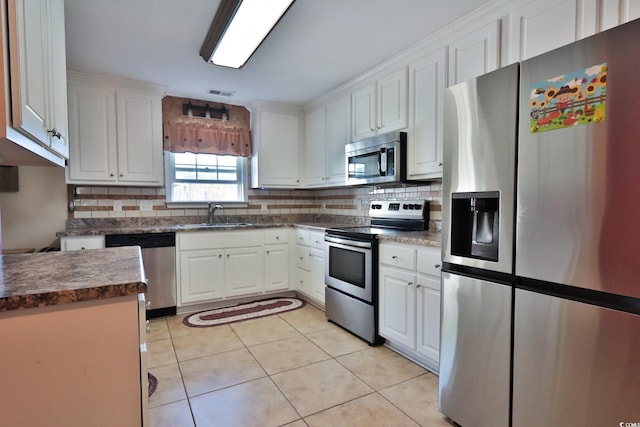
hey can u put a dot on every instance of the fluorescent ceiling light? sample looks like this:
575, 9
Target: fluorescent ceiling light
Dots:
238, 28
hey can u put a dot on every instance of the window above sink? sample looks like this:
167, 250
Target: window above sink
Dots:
203, 178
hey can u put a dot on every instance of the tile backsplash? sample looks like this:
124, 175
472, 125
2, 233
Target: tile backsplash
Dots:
348, 204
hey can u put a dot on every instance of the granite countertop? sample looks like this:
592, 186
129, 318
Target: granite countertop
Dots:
53, 278
424, 238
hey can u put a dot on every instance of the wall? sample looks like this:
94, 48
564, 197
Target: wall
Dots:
32, 216
92, 202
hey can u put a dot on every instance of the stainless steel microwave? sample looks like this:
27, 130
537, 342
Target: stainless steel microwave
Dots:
376, 160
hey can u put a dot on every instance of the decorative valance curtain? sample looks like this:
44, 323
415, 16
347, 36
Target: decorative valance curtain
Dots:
184, 133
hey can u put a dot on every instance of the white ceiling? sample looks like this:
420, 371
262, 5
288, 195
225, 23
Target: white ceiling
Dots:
318, 44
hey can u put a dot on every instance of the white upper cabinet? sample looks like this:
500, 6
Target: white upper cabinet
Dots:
380, 107
316, 146
338, 135
328, 131
476, 53
38, 72
277, 136
611, 13
427, 83
540, 26
115, 132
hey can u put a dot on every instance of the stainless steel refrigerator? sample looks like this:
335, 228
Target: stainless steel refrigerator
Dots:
477, 248
576, 355
541, 284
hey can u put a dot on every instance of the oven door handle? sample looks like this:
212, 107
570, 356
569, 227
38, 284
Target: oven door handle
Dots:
347, 242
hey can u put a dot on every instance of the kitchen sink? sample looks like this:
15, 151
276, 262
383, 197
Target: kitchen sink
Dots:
206, 225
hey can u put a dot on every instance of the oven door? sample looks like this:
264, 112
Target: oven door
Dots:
348, 267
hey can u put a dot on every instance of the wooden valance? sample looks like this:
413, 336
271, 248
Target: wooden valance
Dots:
205, 135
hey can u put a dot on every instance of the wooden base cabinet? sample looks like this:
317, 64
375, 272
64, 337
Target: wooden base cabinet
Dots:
409, 297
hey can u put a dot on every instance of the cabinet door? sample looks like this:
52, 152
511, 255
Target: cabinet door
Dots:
139, 137
276, 162
475, 54
276, 267
427, 82
315, 142
58, 117
397, 314
392, 102
428, 318
243, 271
92, 134
201, 275
561, 21
316, 270
30, 43
363, 113
338, 135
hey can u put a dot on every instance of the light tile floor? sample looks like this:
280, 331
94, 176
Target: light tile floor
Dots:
294, 369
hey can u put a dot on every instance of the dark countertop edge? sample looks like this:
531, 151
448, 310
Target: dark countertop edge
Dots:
67, 296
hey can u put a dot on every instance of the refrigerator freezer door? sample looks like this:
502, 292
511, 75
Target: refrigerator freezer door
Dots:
577, 199
475, 351
574, 364
480, 129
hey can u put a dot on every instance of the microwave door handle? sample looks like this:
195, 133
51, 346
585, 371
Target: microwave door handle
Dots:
382, 162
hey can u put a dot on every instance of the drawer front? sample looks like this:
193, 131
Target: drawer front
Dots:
429, 261
302, 236
302, 257
398, 256
81, 243
316, 239
276, 235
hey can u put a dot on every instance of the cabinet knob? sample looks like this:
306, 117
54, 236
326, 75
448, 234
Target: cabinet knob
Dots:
219, 255
121, 175
410, 284
277, 237
440, 164
267, 252
227, 255
418, 286
437, 266
394, 257
372, 129
111, 175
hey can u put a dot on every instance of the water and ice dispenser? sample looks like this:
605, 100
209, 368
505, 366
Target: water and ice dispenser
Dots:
475, 220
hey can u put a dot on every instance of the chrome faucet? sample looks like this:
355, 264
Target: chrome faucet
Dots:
212, 210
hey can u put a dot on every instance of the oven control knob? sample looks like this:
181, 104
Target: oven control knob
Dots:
417, 207
405, 206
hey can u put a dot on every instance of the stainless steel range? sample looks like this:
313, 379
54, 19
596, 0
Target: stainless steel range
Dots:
351, 264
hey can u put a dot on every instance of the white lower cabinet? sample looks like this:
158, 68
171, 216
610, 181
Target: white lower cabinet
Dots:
219, 265
200, 275
276, 259
409, 298
243, 271
309, 258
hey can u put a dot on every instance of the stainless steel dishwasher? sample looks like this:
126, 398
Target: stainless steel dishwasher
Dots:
159, 259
